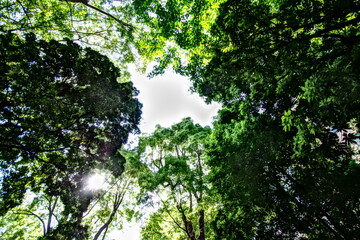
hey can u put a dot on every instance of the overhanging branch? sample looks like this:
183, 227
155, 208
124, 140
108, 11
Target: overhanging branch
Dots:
30, 213
86, 3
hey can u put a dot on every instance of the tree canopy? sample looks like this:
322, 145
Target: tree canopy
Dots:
63, 114
282, 160
106, 26
284, 154
174, 174
285, 151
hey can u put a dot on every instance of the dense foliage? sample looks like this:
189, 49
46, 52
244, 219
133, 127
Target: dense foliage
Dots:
282, 160
107, 26
173, 172
285, 151
63, 114
284, 154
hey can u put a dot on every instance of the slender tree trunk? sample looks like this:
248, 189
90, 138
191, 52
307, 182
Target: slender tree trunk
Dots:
201, 225
119, 197
104, 235
102, 228
52, 207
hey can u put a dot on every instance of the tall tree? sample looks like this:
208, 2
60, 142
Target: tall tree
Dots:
176, 173
114, 202
63, 113
285, 152
34, 218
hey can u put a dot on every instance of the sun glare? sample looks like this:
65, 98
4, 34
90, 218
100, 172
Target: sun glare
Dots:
95, 182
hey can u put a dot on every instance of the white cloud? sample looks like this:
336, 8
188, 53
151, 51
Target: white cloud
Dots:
166, 100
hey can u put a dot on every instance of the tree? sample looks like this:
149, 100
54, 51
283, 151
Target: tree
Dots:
67, 18
285, 145
63, 113
286, 73
174, 171
33, 219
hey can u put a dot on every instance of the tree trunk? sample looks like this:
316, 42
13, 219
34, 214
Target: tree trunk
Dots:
189, 228
201, 225
52, 207
103, 227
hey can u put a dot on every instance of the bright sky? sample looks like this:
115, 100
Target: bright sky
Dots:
166, 100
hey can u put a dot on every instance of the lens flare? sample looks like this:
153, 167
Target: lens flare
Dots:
95, 182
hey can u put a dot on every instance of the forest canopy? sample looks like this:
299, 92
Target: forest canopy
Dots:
281, 160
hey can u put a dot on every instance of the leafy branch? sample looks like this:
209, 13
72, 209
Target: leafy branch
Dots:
86, 3
30, 213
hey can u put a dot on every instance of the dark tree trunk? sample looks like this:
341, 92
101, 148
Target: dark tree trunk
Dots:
189, 228
201, 225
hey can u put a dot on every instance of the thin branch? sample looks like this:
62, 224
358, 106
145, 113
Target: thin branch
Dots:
23, 147
7, 6
25, 11
124, 24
29, 213
56, 218
51, 209
85, 2
320, 33
119, 197
106, 229
102, 195
167, 211
191, 201
177, 151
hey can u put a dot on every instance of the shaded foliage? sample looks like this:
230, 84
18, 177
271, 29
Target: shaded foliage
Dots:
63, 113
285, 151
